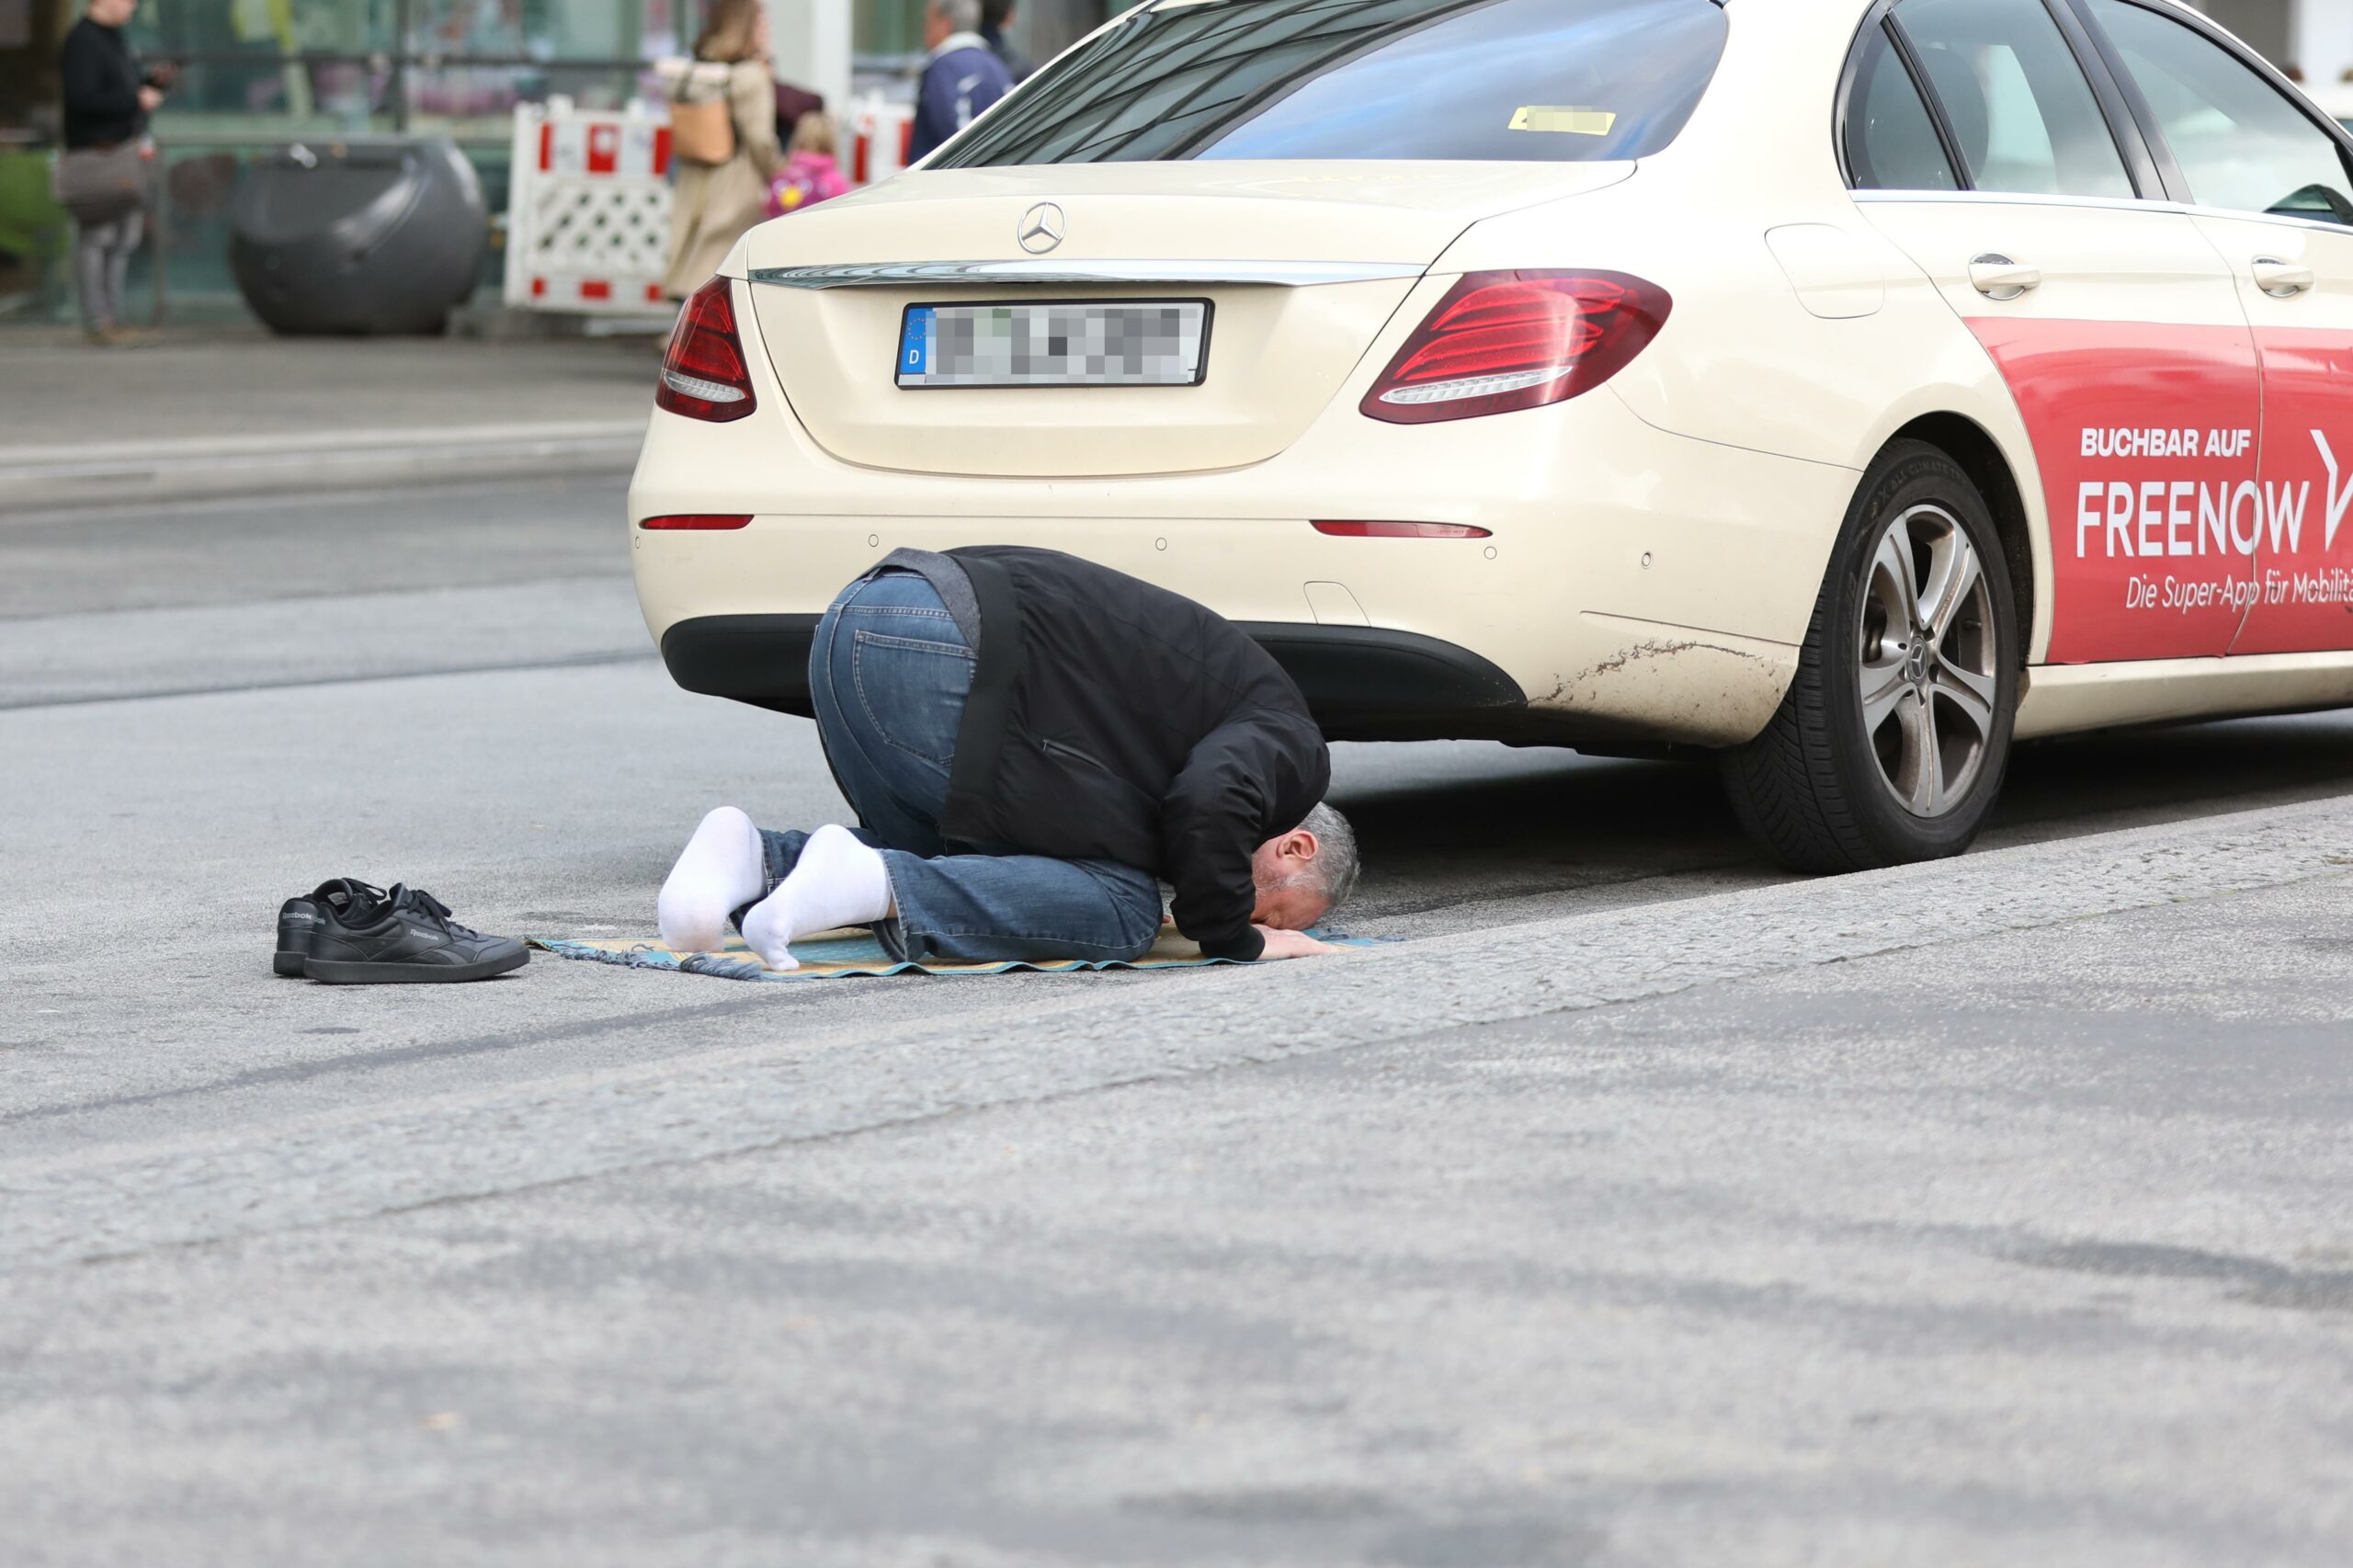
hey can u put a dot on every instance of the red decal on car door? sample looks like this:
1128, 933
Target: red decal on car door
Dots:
2147, 435
2304, 571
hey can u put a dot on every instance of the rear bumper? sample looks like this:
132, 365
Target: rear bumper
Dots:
1362, 683
1631, 585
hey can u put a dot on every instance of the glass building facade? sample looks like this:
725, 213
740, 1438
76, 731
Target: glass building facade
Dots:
257, 74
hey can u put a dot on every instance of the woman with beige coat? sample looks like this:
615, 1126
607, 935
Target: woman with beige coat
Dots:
712, 204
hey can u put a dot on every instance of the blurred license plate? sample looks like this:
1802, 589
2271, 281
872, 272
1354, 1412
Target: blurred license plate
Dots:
1154, 342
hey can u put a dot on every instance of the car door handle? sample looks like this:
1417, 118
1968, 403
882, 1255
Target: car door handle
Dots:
2282, 279
1999, 277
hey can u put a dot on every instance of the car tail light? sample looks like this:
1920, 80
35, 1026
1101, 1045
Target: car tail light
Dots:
708, 520
1400, 531
703, 375
1501, 341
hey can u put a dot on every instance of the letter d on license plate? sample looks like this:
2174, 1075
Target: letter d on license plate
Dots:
1151, 343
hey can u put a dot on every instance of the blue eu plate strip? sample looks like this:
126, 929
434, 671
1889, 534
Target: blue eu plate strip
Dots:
915, 348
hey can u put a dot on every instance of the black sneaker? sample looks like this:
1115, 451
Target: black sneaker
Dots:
405, 937
298, 919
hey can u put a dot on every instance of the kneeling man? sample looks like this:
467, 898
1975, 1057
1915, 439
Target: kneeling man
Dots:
1031, 742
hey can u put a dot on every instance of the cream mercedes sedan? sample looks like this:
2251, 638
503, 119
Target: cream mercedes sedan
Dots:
1843, 389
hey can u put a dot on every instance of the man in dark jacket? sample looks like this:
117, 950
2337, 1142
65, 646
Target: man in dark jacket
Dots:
1031, 742
962, 77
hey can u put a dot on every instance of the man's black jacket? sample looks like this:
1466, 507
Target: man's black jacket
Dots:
1110, 719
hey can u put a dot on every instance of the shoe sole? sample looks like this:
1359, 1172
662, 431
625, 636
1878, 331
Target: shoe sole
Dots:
336, 971
288, 961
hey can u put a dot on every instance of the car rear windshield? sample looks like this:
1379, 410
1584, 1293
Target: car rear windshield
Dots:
1555, 80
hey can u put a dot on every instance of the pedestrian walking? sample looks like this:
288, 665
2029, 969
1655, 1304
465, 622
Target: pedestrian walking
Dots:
723, 143
102, 173
996, 26
1031, 743
811, 173
962, 77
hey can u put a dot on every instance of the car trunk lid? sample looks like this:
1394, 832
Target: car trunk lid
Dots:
1302, 265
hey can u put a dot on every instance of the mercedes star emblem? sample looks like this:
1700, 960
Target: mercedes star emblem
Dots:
1042, 228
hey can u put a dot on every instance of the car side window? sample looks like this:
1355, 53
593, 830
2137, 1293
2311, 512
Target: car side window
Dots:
1892, 143
2241, 145
2011, 89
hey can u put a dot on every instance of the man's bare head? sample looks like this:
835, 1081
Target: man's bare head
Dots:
1305, 874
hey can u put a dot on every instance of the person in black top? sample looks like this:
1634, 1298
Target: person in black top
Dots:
1031, 742
996, 17
106, 97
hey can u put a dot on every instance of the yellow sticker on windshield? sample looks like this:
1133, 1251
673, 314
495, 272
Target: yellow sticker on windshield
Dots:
1575, 121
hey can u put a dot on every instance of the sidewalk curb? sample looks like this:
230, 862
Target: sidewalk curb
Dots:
40, 479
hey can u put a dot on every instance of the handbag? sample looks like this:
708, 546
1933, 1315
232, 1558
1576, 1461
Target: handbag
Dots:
702, 133
98, 185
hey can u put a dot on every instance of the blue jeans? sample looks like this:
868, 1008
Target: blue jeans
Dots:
889, 672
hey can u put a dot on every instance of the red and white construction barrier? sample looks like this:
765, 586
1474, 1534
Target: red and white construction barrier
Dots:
589, 210
879, 132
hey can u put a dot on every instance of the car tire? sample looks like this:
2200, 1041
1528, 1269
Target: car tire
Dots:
1893, 739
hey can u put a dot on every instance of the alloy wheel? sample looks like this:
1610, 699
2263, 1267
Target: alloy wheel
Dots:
1925, 661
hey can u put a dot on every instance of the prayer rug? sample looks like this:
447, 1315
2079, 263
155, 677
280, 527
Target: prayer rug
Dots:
834, 955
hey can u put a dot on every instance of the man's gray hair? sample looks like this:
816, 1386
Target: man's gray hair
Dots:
1334, 869
963, 15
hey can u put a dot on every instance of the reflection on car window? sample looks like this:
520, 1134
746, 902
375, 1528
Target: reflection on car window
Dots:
2025, 118
1891, 142
2239, 143
1487, 80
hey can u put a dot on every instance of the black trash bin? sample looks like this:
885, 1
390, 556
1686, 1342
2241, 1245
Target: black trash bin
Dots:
374, 234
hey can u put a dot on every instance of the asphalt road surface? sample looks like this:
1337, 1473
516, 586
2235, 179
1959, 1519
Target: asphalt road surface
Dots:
1638, 1205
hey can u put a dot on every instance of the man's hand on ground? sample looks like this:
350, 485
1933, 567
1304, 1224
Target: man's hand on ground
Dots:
1290, 945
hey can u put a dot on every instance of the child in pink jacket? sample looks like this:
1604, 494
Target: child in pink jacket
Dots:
809, 174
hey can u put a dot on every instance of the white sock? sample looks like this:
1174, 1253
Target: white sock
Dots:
838, 881
721, 870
